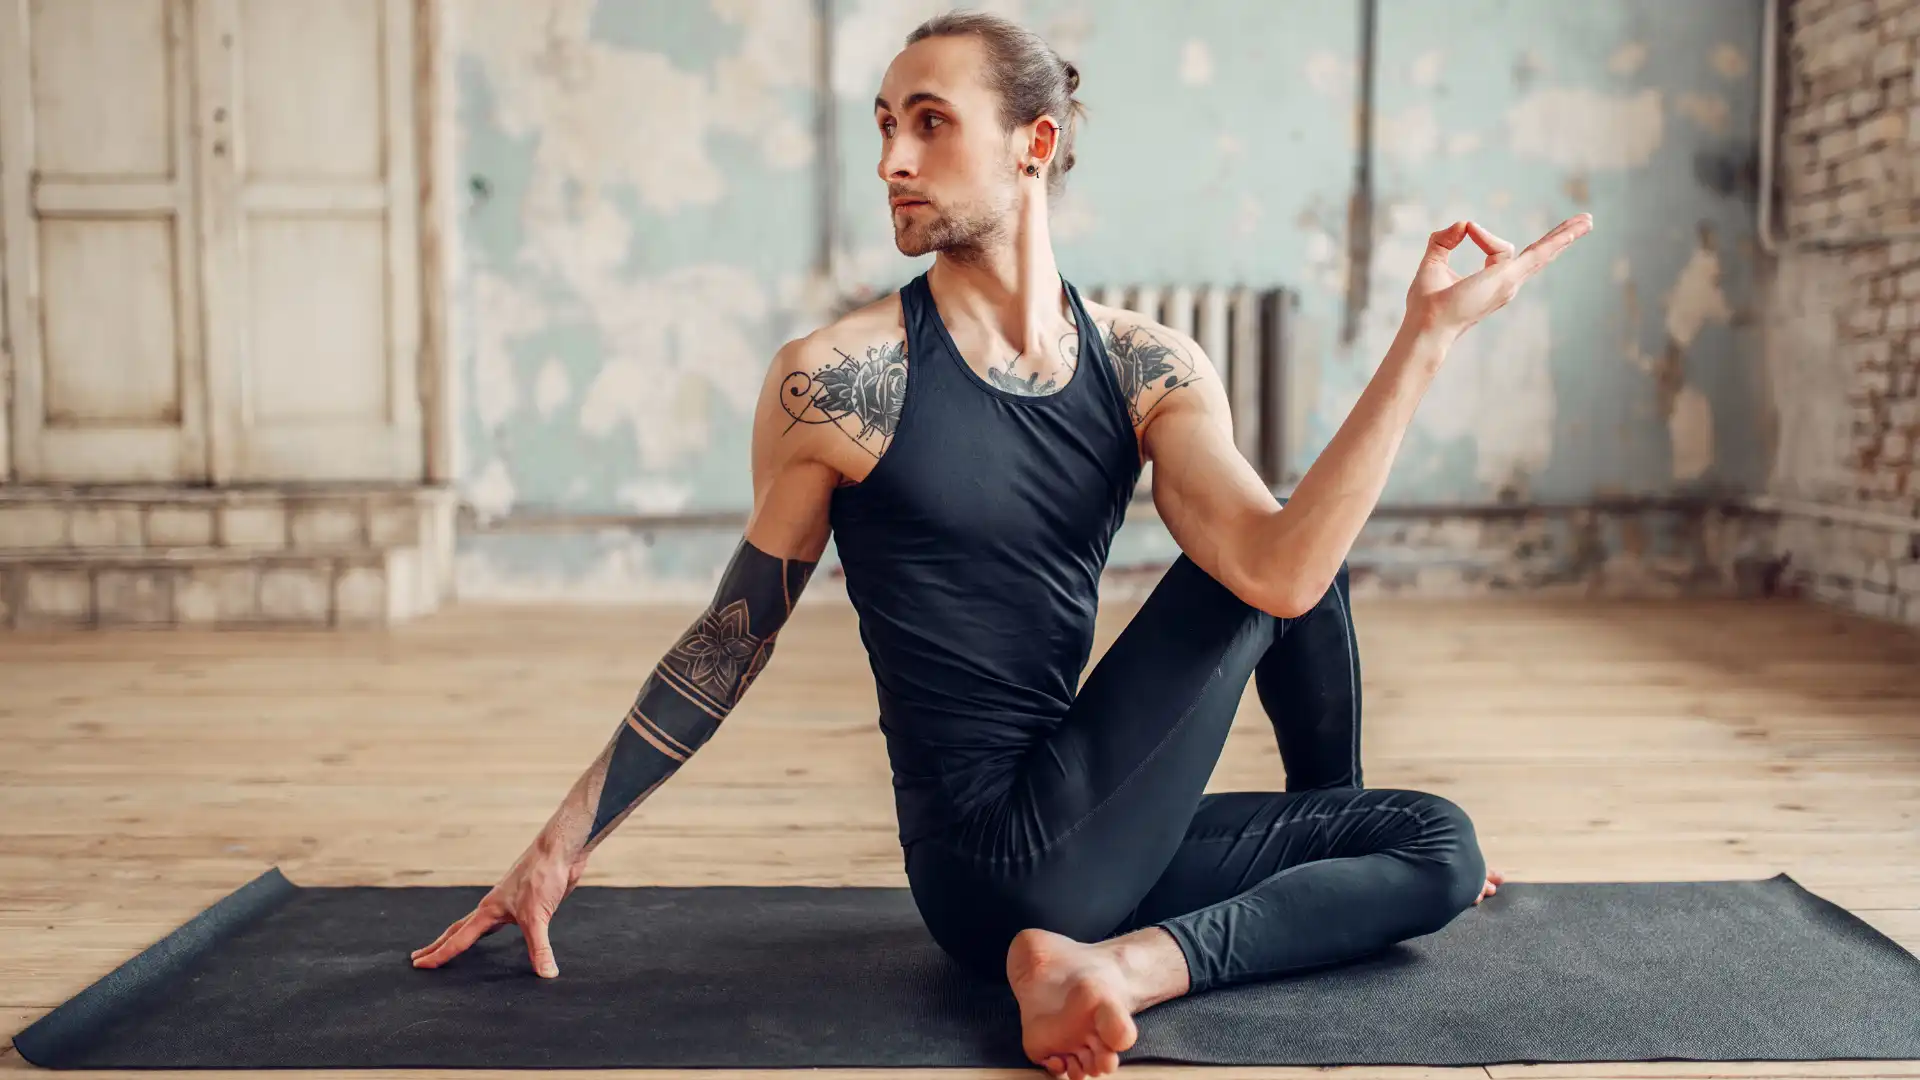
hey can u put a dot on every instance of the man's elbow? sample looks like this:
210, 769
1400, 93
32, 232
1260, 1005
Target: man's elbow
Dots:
1286, 600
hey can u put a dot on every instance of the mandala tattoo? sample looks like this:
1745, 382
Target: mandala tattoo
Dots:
700, 679
1146, 364
869, 393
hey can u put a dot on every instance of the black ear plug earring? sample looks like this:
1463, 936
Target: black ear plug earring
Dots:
1033, 170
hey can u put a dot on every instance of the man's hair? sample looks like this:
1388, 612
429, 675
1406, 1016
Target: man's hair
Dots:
1023, 69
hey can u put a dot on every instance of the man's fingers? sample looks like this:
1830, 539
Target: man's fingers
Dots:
1544, 250
477, 926
1440, 243
444, 935
540, 949
1498, 250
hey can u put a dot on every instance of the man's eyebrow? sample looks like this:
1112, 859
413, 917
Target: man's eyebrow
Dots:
912, 100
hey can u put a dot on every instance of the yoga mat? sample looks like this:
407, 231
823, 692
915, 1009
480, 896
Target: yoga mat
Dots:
280, 975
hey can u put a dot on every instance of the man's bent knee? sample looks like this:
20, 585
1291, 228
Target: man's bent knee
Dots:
1451, 851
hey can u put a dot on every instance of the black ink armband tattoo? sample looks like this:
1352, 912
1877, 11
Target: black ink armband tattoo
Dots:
700, 679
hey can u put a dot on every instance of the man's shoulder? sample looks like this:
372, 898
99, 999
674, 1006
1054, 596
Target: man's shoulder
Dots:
876, 328
1151, 359
836, 393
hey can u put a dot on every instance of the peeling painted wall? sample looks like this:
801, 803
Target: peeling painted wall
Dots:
643, 192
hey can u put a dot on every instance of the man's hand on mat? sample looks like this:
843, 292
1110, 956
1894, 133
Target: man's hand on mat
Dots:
1442, 301
1495, 879
527, 897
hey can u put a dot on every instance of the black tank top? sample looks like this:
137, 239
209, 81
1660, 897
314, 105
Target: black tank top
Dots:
972, 553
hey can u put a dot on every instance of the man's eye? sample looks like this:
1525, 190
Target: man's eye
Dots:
886, 127
930, 119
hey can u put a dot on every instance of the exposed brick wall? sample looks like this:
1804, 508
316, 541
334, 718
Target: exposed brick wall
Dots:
1849, 166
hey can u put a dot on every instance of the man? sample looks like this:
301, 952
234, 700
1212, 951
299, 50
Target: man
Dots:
972, 442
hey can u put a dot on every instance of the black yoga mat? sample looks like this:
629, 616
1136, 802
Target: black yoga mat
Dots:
279, 975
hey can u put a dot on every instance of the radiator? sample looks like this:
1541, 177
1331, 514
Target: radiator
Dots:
1244, 332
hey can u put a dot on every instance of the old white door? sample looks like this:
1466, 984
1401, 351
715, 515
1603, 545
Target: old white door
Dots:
211, 249
313, 291
98, 192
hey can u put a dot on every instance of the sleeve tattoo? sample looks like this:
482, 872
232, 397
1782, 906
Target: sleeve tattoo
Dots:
700, 679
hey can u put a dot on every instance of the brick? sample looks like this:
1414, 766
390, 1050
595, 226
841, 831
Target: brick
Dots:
1907, 578
133, 596
1898, 315
1888, 127
1863, 102
360, 595
33, 526
210, 595
301, 594
1866, 320
57, 594
1894, 448
1892, 59
108, 525
1837, 142
392, 526
180, 526
253, 525
326, 526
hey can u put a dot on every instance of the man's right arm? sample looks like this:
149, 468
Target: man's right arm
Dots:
690, 690
707, 671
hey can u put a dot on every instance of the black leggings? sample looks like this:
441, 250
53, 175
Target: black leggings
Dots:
1105, 828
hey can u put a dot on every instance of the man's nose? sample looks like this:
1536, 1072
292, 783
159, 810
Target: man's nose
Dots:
897, 161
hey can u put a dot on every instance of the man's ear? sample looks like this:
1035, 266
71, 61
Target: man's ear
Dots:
1042, 137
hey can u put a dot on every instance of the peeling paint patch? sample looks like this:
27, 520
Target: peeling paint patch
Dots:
1196, 63
1710, 111
1463, 142
551, 78
1621, 269
1577, 189
1628, 58
1497, 390
491, 493
1426, 68
1576, 128
1412, 135
1690, 432
1330, 74
1728, 60
870, 33
1696, 299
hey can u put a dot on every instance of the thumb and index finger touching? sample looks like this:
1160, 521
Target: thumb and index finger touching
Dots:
1499, 251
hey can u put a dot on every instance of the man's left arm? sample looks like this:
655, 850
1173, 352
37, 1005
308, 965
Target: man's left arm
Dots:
1207, 493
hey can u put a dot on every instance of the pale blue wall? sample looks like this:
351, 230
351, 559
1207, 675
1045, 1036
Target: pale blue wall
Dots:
650, 225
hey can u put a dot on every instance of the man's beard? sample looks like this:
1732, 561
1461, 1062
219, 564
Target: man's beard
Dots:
964, 235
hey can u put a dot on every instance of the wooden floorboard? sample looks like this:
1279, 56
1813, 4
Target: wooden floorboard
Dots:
144, 774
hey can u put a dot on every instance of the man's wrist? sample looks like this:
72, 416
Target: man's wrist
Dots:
1423, 348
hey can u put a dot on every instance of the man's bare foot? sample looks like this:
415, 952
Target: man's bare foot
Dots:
1495, 879
1077, 1000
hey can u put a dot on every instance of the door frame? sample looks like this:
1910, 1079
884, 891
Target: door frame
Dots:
437, 171
436, 174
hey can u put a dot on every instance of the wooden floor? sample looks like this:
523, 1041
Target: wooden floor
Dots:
145, 775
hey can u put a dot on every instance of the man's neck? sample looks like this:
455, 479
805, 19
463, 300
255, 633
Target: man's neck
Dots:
1011, 289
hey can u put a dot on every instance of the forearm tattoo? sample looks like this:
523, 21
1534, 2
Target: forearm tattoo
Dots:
700, 679
861, 397
1150, 367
